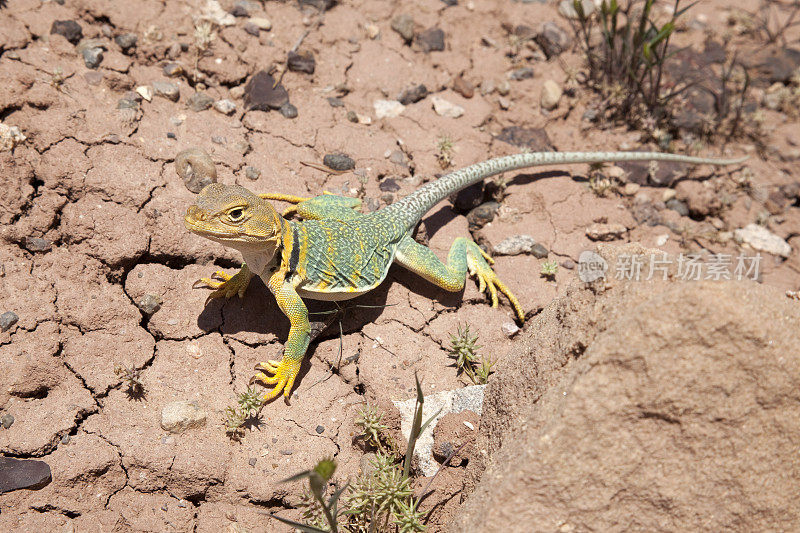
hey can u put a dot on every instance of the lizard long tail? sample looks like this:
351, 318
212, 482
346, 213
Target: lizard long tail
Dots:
414, 206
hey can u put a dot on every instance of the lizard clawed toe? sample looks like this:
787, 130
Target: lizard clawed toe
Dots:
284, 373
226, 287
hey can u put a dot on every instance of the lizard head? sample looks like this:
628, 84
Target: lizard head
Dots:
235, 217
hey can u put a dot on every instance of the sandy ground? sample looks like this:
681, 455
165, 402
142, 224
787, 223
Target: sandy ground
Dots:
91, 213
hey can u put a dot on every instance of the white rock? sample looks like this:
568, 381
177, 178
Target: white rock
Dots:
763, 240
145, 91
225, 106
446, 109
372, 31
452, 401
214, 12
261, 23
177, 417
515, 245
509, 329
388, 108
551, 94
10, 136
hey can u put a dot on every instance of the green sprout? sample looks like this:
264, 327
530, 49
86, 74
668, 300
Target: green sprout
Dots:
549, 269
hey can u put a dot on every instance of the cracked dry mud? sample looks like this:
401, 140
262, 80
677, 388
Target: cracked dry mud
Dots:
96, 184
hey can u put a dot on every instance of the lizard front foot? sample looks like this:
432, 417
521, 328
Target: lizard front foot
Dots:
283, 375
227, 286
479, 266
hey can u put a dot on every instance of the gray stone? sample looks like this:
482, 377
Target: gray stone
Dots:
404, 25
172, 70
413, 94
678, 206
7, 420
535, 139
92, 57
453, 401
482, 215
126, 41
553, 40
523, 73
539, 251
339, 162
195, 168
301, 61
177, 417
431, 40
37, 245
288, 110
252, 29
150, 304
262, 94
252, 173
23, 474
200, 101
388, 108
166, 89
69, 29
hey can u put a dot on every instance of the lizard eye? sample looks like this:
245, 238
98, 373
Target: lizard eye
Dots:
235, 215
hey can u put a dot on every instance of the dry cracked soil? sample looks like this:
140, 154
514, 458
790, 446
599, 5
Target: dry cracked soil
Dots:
96, 269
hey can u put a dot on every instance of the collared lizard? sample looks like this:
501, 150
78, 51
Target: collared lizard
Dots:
336, 253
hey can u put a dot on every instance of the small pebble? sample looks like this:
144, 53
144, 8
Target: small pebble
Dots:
413, 94
219, 139
372, 31
335, 102
551, 95
252, 29
261, 23
431, 40
252, 461
445, 108
569, 264
523, 73
504, 88
404, 25
387, 108
126, 41
389, 185
149, 304
65, 439
7, 420
340, 162
195, 168
36, 244
166, 89
288, 110
225, 106
320, 430
8, 319
509, 329
69, 29
252, 173
301, 61
172, 70
92, 57
287, 452
240, 9
539, 251
463, 87
145, 92
352, 116
200, 101
171, 135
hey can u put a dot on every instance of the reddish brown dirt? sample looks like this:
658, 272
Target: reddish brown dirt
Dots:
97, 184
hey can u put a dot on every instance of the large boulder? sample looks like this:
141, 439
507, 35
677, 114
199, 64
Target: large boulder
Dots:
668, 406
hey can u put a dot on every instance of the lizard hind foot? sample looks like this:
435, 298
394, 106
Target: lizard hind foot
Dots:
488, 281
283, 375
